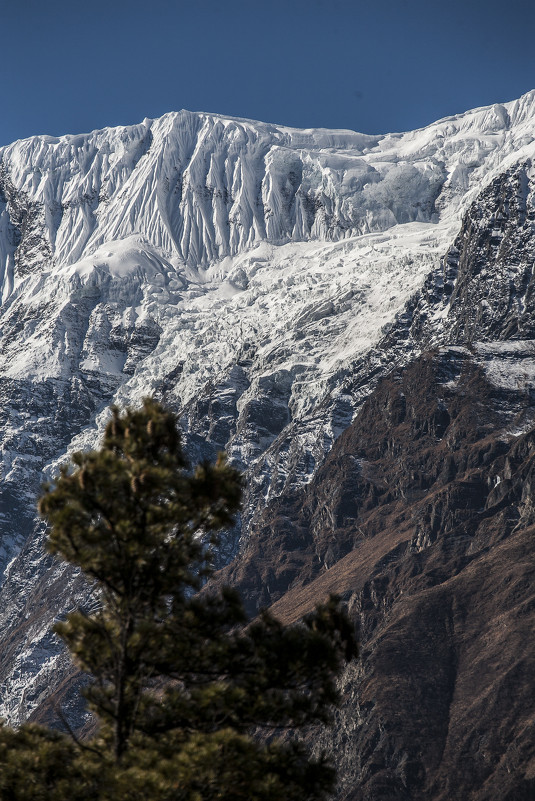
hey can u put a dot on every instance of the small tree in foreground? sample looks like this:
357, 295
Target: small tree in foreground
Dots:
190, 698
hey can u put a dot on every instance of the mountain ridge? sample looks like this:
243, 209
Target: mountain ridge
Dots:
263, 287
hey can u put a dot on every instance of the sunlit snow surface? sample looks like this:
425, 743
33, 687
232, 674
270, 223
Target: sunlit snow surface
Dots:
181, 207
308, 307
229, 236
174, 253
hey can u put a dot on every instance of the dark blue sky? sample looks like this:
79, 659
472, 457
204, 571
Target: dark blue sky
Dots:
370, 65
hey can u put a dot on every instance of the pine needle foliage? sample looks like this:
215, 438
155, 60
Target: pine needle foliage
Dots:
194, 703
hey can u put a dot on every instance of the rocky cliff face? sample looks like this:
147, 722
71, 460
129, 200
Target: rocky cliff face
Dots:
422, 519
350, 317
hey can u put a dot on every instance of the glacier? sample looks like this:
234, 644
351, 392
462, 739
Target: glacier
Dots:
240, 271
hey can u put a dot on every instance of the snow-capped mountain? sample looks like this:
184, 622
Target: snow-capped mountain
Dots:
258, 279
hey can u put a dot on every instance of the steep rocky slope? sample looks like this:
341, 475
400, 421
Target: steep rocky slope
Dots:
265, 282
422, 518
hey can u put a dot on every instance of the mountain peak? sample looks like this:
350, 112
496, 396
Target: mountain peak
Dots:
261, 280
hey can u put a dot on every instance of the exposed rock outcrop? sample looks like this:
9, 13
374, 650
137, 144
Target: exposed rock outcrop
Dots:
422, 519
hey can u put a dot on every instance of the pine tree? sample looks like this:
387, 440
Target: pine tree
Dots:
191, 698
